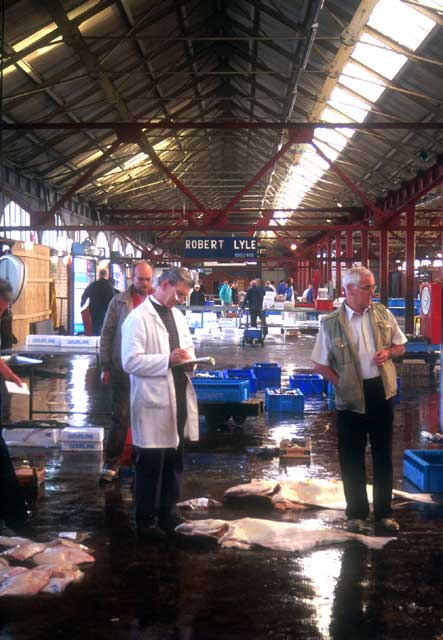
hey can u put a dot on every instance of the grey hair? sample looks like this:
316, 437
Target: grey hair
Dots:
5, 290
174, 275
354, 275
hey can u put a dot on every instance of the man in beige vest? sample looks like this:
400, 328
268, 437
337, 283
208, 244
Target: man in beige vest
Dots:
354, 351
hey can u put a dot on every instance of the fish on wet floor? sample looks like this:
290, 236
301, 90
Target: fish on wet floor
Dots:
315, 492
57, 566
291, 495
246, 533
200, 504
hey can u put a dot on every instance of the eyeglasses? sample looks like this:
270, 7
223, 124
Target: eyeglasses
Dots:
180, 295
367, 287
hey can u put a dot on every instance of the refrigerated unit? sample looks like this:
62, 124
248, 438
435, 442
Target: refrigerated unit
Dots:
83, 272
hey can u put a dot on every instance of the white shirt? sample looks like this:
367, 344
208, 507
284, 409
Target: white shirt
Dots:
363, 340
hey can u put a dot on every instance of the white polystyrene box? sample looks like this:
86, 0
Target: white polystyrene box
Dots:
90, 342
31, 437
82, 434
88, 445
49, 341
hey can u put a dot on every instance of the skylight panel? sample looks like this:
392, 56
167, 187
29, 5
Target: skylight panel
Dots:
377, 56
361, 81
348, 104
401, 22
332, 137
329, 152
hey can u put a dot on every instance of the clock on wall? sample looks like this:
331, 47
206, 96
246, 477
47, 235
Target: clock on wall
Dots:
425, 299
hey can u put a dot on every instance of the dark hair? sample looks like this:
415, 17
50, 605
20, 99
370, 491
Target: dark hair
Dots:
5, 290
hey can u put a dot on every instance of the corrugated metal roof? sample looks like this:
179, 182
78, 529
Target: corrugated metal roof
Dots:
212, 61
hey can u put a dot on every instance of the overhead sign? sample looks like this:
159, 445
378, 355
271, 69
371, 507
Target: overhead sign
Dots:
208, 248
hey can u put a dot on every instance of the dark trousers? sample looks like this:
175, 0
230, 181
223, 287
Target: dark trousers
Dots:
158, 474
121, 417
12, 503
255, 314
354, 429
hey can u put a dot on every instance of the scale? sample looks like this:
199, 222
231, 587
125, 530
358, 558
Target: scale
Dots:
430, 311
13, 269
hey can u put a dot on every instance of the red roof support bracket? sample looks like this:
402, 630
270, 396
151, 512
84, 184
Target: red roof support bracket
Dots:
410, 192
348, 182
301, 136
83, 180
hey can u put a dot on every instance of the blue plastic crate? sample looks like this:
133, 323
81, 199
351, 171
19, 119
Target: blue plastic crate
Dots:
268, 374
221, 390
289, 401
251, 333
424, 469
309, 383
396, 302
207, 375
243, 374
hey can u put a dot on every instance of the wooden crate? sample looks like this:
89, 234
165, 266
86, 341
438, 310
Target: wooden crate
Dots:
33, 302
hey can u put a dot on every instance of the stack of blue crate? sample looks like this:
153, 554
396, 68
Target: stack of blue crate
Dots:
284, 400
243, 374
310, 384
217, 390
268, 374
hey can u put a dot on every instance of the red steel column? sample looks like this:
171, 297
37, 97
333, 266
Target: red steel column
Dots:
410, 263
384, 266
329, 262
364, 235
349, 249
338, 264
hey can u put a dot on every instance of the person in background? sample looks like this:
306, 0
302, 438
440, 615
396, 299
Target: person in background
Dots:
268, 286
99, 293
281, 289
308, 294
12, 503
197, 298
225, 293
254, 299
156, 344
354, 351
290, 289
234, 292
113, 287
112, 371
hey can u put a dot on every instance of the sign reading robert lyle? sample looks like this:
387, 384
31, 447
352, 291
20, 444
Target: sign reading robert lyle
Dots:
212, 248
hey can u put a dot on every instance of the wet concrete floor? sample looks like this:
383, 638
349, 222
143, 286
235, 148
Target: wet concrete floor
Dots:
183, 590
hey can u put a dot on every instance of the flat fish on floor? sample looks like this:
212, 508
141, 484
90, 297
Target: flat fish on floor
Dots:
256, 488
60, 579
63, 553
246, 533
24, 582
25, 551
290, 495
202, 504
315, 492
13, 541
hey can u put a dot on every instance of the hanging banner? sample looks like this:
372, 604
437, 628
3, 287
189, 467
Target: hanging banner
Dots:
208, 248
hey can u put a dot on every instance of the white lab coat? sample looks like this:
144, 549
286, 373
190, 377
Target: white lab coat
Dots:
145, 356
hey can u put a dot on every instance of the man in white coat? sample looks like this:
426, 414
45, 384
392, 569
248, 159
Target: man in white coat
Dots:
156, 343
